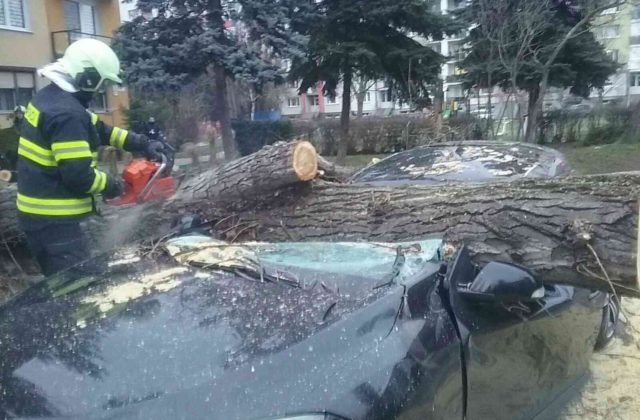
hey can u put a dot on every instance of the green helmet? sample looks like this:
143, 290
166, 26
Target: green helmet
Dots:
92, 64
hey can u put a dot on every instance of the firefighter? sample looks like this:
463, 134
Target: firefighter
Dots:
57, 155
152, 129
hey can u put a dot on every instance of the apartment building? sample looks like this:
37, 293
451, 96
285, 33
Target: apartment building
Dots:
379, 99
36, 32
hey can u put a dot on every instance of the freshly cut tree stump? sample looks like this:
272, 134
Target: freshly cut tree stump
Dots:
249, 178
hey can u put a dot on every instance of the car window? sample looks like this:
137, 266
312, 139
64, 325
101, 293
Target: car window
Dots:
458, 163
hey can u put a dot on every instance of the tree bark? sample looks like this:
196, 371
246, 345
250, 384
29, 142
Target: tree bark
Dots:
235, 185
360, 99
533, 113
345, 115
9, 230
544, 225
220, 99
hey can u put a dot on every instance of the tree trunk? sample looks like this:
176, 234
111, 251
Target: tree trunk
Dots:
345, 115
250, 179
360, 99
541, 224
545, 225
234, 185
533, 112
9, 230
220, 99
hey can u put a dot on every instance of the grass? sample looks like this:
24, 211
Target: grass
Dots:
617, 157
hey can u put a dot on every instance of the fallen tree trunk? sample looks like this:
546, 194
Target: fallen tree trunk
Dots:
546, 225
550, 226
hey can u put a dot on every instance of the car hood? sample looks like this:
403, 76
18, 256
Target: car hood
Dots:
142, 332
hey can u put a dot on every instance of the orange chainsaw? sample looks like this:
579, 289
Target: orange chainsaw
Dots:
146, 180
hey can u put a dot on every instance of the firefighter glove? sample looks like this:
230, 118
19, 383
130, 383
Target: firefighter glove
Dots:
155, 150
114, 188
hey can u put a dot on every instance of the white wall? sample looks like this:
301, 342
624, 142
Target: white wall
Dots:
125, 8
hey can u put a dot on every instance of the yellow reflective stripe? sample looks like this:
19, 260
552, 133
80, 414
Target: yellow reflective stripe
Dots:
117, 137
74, 149
94, 118
32, 115
35, 153
61, 146
54, 206
99, 182
94, 159
73, 155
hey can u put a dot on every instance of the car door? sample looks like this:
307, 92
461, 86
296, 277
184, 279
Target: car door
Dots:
520, 357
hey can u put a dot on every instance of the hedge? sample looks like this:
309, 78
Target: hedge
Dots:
370, 135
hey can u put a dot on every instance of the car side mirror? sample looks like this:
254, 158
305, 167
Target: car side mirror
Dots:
502, 282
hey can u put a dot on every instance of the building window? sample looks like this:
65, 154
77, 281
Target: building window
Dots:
613, 55
634, 79
367, 97
386, 96
636, 12
134, 13
79, 17
12, 14
313, 100
608, 32
99, 102
16, 88
330, 100
293, 102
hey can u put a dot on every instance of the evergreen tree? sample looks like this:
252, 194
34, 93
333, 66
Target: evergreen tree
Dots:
371, 39
581, 64
186, 39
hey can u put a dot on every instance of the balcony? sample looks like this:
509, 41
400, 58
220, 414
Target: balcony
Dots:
456, 55
455, 78
60, 40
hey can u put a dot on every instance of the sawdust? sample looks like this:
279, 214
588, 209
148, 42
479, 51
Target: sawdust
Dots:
612, 391
124, 292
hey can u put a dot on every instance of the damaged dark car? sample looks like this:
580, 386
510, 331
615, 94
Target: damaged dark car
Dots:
303, 331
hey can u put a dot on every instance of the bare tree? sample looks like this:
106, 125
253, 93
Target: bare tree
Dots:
511, 29
589, 13
362, 88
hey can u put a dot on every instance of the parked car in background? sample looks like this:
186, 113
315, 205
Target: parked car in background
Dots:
471, 161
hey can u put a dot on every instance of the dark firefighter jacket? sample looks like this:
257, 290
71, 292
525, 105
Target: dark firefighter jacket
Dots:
57, 157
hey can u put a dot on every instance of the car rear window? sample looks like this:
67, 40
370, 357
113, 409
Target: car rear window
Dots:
458, 163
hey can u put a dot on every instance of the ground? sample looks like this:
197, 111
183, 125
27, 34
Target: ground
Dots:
603, 159
610, 393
